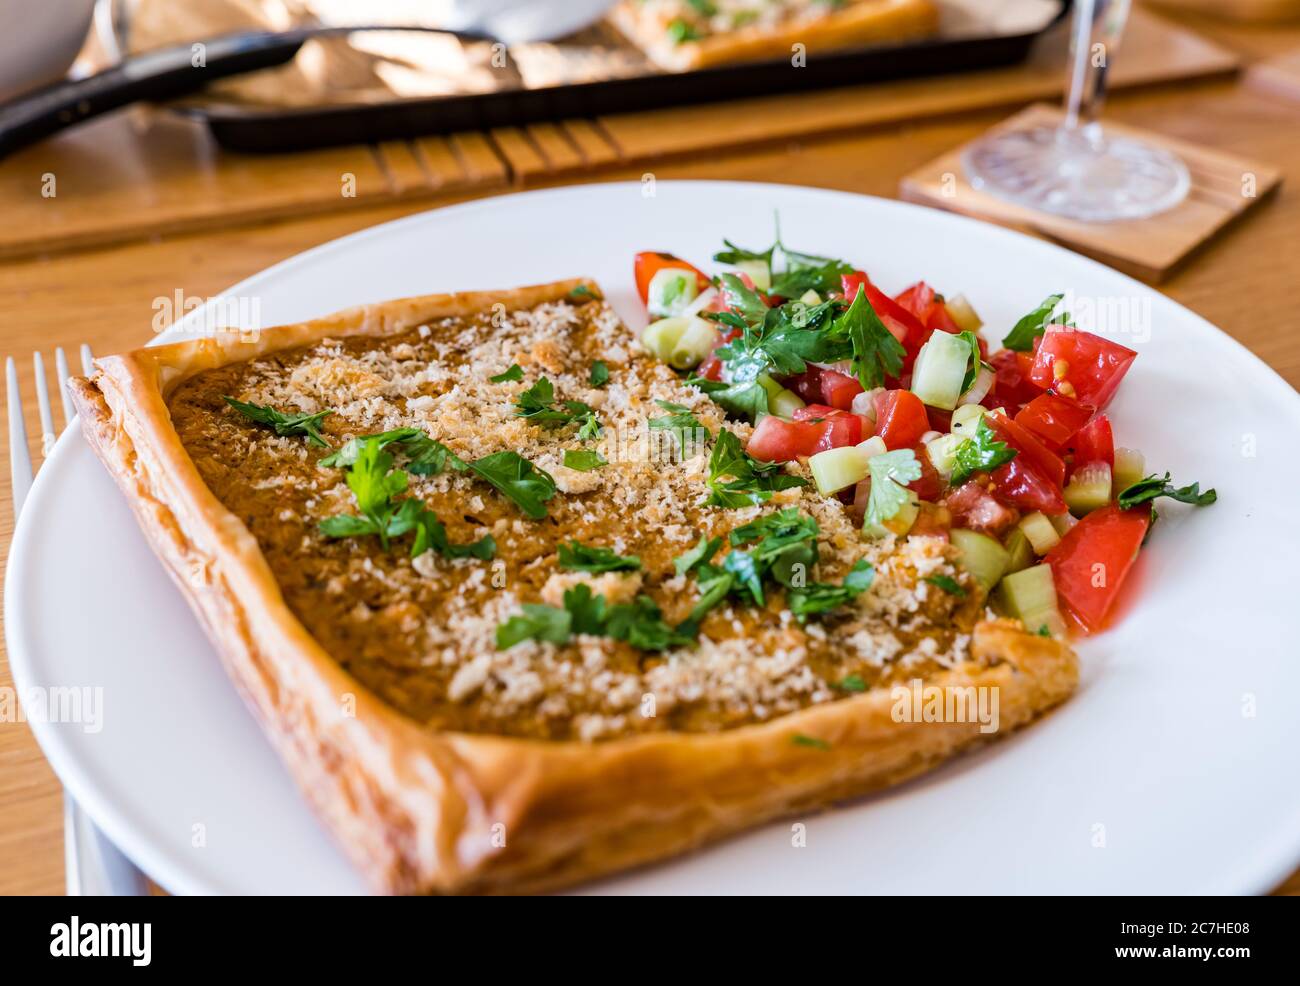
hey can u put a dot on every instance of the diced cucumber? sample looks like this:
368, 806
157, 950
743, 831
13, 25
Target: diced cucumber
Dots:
670, 291
982, 556
874, 445
694, 344
811, 297
759, 272
702, 301
963, 314
940, 369
785, 403
1020, 553
899, 524
771, 386
943, 453
1030, 596
1040, 532
1088, 489
661, 337
1062, 522
966, 419
1130, 468
837, 468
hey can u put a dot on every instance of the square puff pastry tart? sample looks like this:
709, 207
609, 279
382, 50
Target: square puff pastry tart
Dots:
682, 36
441, 762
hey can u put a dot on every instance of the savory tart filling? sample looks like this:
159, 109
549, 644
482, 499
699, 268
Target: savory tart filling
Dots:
461, 597
693, 20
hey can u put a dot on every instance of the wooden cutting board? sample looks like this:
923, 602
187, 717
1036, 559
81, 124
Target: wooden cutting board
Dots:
149, 172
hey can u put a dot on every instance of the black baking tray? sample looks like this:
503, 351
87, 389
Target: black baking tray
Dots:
261, 130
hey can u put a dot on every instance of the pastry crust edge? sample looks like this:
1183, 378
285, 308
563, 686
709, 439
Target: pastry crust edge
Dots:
428, 812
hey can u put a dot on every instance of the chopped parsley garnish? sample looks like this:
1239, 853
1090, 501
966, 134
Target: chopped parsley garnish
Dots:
876, 353
285, 425
799, 739
975, 363
852, 683
375, 484
820, 597
512, 375
798, 272
890, 472
981, 453
701, 554
640, 622
751, 481
538, 404
584, 460
582, 291
518, 479
681, 423
599, 374
679, 31
1043, 631
579, 557
425, 456
947, 583
1023, 333
1146, 490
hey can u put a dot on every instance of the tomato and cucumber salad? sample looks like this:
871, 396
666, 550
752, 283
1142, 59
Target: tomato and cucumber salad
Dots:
896, 406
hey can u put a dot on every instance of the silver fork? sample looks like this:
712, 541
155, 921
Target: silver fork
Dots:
93, 865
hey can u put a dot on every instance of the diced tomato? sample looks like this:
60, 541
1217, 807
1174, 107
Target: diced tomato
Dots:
920, 299
932, 520
1091, 367
900, 418
1012, 387
1093, 559
839, 389
1023, 441
1053, 419
711, 368
972, 506
808, 385
775, 440
940, 420
902, 324
1095, 442
931, 484
814, 412
650, 262
1021, 483
838, 430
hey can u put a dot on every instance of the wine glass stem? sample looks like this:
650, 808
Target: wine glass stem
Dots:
1094, 39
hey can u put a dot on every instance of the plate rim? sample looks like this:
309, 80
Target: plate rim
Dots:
1269, 867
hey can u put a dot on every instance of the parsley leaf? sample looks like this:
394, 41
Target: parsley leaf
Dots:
974, 363
947, 584
579, 557
820, 597
1146, 490
512, 375
430, 535
536, 622
852, 683
426, 456
822, 278
642, 625
697, 556
890, 472
799, 739
752, 481
1023, 333
599, 374
518, 479
285, 425
584, 460
587, 610
538, 404
681, 423
640, 622
876, 353
982, 453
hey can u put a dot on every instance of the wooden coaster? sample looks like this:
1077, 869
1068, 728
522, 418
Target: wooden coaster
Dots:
1224, 186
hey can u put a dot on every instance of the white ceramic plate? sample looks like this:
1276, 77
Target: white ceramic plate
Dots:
1172, 770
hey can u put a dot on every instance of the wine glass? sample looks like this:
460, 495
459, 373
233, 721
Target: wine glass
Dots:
1076, 169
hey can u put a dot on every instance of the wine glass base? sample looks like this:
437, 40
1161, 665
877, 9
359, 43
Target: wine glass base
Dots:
1080, 174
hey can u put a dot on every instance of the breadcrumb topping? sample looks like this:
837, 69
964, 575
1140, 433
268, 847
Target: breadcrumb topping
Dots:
420, 632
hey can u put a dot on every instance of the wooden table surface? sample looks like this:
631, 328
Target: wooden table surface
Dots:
1244, 282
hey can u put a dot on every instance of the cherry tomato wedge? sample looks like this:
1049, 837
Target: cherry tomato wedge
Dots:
900, 418
1012, 387
931, 484
650, 262
1095, 442
920, 299
839, 389
1080, 365
973, 507
839, 430
814, 412
1093, 559
775, 440
1047, 462
1053, 419
1021, 483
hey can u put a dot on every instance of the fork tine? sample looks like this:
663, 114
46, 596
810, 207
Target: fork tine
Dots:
87, 360
61, 368
43, 404
20, 460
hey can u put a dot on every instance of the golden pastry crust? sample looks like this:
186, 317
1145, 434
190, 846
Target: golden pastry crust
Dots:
861, 22
425, 811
